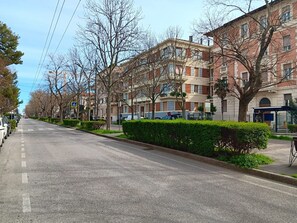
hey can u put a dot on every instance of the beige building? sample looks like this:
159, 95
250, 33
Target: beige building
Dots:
178, 66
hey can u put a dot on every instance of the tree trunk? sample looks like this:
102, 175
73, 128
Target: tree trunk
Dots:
153, 109
108, 110
222, 108
183, 108
243, 108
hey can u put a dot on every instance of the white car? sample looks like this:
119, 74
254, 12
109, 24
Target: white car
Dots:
2, 132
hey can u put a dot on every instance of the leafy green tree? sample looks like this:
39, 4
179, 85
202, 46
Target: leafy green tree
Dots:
221, 89
293, 112
8, 46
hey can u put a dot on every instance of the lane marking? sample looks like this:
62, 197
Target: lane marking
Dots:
24, 164
40, 129
23, 149
30, 130
22, 144
23, 155
26, 203
24, 178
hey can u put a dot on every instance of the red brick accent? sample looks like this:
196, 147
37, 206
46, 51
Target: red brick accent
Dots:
188, 88
188, 71
205, 72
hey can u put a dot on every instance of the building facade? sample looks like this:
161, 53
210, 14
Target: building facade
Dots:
278, 75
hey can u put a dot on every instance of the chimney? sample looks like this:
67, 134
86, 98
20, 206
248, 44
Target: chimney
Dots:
201, 41
191, 39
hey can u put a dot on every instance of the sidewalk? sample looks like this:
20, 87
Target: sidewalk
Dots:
279, 151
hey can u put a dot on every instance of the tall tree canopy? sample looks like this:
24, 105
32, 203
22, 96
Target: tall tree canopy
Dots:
8, 46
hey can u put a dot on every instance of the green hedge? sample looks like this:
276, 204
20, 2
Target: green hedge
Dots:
71, 122
292, 128
13, 123
200, 137
92, 125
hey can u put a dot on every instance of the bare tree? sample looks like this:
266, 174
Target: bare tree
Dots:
112, 32
57, 82
76, 77
255, 46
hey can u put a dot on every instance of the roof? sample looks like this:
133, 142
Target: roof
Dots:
276, 109
242, 17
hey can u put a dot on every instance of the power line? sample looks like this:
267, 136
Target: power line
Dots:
48, 33
67, 26
51, 38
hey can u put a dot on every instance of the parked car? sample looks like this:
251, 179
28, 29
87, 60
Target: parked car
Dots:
2, 132
129, 117
7, 125
171, 117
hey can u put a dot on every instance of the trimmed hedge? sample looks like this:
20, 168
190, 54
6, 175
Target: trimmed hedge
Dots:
13, 123
92, 125
292, 128
200, 137
71, 122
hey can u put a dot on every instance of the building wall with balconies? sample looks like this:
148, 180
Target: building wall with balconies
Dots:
284, 44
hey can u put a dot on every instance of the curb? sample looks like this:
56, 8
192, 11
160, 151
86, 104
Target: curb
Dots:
254, 172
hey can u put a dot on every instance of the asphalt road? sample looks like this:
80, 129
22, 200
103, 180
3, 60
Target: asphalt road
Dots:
54, 174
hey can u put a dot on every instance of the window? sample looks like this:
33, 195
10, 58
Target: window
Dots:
287, 99
170, 69
286, 15
263, 22
125, 96
125, 109
170, 106
287, 43
244, 78
180, 52
166, 88
196, 55
200, 72
196, 89
244, 30
178, 69
264, 76
287, 71
224, 39
192, 71
166, 52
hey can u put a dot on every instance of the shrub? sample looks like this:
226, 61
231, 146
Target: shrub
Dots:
44, 119
71, 122
13, 123
54, 120
247, 160
292, 128
241, 137
200, 137
92, 125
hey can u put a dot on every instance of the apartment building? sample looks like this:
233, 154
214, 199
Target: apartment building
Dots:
150, 79
278, 75
174, 65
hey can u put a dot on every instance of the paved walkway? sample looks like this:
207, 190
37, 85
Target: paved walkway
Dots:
279, 151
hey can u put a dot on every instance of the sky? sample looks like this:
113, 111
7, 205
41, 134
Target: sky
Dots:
31, 21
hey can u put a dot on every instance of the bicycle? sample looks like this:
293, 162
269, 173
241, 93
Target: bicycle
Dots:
293, 151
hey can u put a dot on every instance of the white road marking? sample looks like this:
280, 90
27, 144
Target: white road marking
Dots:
50, 129
41, 129
30, 130
24, 164
22, 145
23, 149
23, 155
20, 130
26, 203
24, 178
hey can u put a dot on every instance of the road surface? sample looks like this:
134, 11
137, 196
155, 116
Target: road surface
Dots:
55, 174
